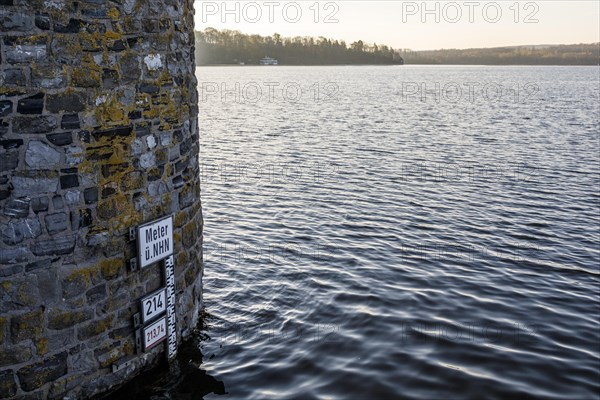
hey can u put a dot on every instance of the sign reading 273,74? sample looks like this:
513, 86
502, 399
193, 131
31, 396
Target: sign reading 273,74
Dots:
155, 241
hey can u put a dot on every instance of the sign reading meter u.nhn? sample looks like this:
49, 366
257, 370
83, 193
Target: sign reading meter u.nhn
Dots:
155, 241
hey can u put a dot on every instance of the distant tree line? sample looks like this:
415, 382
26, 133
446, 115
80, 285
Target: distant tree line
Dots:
233, 47
215, 46
576, 54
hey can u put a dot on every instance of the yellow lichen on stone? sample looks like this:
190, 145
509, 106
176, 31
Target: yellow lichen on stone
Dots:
114, 14
111, 268
112, 35
86, 275
3, 323
180, 219
41, 346
111, 112
127, 215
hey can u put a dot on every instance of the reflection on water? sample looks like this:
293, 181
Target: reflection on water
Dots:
380, 243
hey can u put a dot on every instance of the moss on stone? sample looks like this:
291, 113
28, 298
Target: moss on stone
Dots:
110, 269
41, 346
3, 324
112, 113
84, 274
63, 319
27, 326
95, 328
114, 14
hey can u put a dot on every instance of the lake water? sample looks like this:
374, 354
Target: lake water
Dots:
398, 232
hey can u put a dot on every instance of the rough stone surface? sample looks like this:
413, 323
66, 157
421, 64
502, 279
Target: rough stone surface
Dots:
31, 184
36, 375
56, 222
98, 124
39, 155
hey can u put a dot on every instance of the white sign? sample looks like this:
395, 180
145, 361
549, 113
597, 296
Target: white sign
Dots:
155, 241
155, 333
171, 328
154, 305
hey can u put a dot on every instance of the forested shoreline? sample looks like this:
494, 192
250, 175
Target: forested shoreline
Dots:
227, 47
233, 47
573, 54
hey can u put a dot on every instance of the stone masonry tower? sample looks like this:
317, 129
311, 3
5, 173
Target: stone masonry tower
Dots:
98, 134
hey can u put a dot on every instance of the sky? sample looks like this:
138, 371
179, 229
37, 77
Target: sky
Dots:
417, 25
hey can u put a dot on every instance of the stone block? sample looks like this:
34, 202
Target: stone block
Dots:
69, 181
25, 53
32, 125
59, 319
40, 155
55, 246
86, 77
11, 355
39, 264
40, 204
90, 195
63, 138
94, 328
10, 270
110, 78
81, 219
114, 303
9, 160
31, 184
73, 26
18, 230
31, 105
71, 102
76, 281
47, 77
48, 284
70, 121
14, 20
73, 155
58, 202
17, 208
8, 385
19, 293
26, 326
11, 144
14, 77
56, 222
15, 255
132, 181
84, 361
147, 160
48, 370
42, 21
96, 294
6, 108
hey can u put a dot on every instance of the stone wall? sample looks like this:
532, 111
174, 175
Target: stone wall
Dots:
98, 133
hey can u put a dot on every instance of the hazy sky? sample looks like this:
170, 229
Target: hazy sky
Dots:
412, 24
